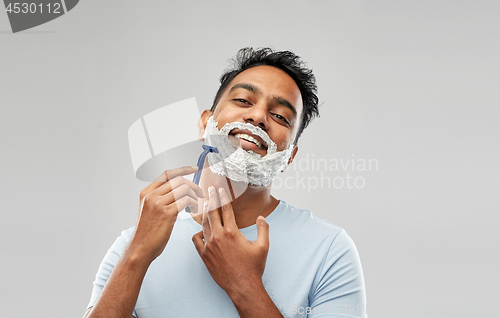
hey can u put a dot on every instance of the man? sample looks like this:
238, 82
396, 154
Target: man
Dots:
241, 251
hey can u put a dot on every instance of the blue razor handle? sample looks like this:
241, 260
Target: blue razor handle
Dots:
201, 161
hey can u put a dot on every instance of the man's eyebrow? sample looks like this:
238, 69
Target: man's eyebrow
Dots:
286, 103
248, 87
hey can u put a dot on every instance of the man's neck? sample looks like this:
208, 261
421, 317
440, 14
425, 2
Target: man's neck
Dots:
248, 201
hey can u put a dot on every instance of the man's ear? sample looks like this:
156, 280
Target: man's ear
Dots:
202, 123
292, 156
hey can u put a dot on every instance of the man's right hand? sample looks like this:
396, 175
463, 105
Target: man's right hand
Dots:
160, 202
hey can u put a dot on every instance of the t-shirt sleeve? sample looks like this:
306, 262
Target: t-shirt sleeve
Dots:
339, 289
108, 263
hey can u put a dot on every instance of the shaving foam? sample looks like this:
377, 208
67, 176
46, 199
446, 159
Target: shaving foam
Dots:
238, 164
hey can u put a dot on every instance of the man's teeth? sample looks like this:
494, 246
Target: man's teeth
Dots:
248, 138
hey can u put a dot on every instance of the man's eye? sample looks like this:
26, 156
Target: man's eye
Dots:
240, 100
282, 118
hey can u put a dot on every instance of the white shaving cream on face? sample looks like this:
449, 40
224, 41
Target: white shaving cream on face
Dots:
238, 164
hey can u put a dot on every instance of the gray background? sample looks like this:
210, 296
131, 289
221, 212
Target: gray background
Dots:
413, 84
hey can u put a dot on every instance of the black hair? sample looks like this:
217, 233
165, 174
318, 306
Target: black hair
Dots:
288, 62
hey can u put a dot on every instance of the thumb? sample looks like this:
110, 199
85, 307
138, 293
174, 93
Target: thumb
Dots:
262, 231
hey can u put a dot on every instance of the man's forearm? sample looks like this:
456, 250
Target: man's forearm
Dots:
253, 301
119, 295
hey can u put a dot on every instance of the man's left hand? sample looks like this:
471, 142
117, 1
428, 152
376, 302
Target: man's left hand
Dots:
235, 263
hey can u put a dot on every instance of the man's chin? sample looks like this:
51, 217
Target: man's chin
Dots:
260, 152
237, 187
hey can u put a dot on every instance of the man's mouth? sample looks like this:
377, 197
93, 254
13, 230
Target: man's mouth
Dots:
256, 140
249, 138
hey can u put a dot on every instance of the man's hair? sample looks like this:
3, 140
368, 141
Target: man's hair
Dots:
288, 62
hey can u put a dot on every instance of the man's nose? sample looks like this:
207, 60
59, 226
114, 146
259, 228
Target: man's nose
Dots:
257, 115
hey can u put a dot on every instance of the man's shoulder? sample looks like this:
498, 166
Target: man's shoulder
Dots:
122, 240
305, 222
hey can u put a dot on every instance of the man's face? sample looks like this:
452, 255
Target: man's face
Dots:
266, 97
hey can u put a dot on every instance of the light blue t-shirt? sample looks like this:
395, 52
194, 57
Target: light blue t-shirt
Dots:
312, 270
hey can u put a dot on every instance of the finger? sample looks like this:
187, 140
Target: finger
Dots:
191, 203
198, 241
205, 223
262, 232
228, 219
181, 191
178, 193
178, 182
185, 201
166, 176
196, 188
214, 215
182, 171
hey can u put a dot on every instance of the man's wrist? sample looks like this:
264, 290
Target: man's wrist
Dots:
135, 258
252, 300
247, 291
